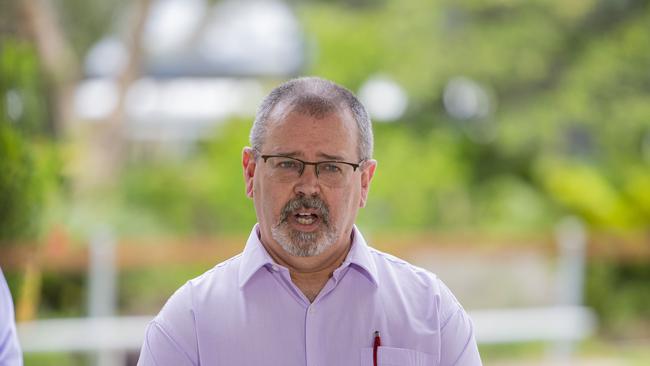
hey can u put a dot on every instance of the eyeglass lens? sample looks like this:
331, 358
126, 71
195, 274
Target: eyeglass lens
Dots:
285, 169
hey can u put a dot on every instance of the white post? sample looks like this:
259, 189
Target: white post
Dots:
102, 294
571, 240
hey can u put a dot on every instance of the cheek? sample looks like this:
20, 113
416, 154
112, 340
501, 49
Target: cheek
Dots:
262, 202
346, 205
269, 201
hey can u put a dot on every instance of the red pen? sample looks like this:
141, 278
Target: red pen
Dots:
375, 347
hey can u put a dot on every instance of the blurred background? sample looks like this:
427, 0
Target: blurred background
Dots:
513, 140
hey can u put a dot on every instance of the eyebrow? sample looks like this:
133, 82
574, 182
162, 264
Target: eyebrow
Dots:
287, 153
330, 157
300, 154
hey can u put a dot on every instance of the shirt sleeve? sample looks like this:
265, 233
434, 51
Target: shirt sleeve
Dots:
10, 353
458, 344
170, 339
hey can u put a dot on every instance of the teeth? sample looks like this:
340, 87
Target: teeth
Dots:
305, 220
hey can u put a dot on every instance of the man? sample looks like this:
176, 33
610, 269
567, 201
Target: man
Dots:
10, 353
307, 289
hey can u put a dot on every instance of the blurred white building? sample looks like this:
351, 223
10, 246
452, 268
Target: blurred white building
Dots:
202, 64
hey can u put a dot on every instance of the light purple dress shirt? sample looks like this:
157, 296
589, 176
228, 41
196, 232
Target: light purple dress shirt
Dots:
247, 311
10, 354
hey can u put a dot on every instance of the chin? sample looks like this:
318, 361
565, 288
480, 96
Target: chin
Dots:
304, 244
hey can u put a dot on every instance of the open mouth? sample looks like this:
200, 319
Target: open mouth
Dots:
305, 214
306, 218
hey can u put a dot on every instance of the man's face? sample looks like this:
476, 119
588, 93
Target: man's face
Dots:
304, 216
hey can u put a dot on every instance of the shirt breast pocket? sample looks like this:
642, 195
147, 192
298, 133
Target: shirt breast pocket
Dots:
390, 356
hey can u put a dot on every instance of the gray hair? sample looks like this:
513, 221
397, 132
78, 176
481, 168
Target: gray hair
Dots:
315, 97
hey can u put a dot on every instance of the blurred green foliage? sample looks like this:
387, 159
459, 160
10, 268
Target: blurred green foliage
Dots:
29, 167
567, 133
570, 85
56, 358
619, 294
63, 294
141, 290
571, 134
201, 195
17, 185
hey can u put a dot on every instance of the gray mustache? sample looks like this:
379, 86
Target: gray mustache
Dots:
308, 203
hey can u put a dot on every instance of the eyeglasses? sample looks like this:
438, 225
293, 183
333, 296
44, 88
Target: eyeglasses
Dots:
332, 173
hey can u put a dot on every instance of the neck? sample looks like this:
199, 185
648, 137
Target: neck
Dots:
310, 274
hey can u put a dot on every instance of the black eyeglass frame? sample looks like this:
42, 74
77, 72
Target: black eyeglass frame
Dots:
314, 163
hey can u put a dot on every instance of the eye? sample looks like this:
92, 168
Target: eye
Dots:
330, 168
288, 164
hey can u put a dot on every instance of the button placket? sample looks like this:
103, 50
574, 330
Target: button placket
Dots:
312, 336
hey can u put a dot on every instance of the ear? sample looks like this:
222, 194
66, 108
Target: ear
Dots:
248, 163
367, 172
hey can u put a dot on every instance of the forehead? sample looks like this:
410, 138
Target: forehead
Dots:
309, 135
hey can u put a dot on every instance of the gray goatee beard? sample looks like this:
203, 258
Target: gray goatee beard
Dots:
300, 243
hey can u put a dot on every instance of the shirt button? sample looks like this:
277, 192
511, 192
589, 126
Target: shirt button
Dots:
274, 268
312, 309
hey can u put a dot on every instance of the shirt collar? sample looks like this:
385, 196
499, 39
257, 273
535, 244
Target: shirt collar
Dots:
360, 257
255, 257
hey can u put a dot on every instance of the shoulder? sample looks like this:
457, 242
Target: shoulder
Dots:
392, 268
183, 302
416, 283
222, 276
177, 318
9, 347
6, 304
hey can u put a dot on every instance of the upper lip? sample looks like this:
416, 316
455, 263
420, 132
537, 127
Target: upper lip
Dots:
306, 211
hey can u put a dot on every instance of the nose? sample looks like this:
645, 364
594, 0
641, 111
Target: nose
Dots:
307, 183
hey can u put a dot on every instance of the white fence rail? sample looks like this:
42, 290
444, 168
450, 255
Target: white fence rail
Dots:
83, 334
561, 323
